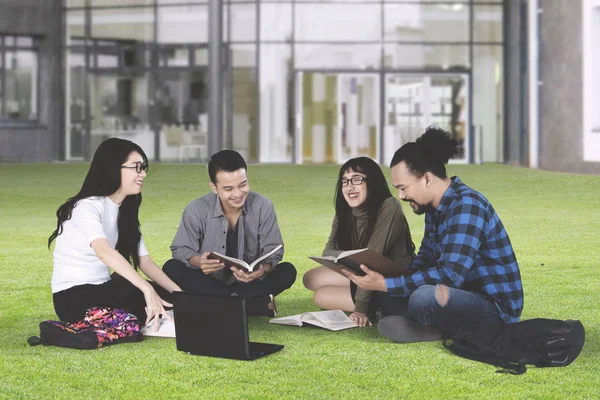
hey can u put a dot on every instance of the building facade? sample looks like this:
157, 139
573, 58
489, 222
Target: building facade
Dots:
304, 81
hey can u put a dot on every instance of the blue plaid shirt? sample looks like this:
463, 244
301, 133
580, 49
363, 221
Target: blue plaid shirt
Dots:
466, 246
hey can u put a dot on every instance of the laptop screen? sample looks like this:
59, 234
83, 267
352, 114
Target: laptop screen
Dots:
211, 325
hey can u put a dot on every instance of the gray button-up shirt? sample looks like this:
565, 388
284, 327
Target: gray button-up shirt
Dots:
203, 228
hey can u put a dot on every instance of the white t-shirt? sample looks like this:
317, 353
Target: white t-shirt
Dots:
75, 262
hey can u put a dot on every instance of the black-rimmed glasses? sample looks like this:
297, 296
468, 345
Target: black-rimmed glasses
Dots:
355, 180
139, 166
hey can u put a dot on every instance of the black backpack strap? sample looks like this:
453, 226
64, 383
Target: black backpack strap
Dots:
484, 353
35, 341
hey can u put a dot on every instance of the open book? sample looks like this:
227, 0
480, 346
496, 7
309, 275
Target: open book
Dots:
352, 259
236, 262
166, 328
334, 320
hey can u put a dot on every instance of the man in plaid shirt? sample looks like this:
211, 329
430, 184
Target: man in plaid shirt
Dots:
466, 273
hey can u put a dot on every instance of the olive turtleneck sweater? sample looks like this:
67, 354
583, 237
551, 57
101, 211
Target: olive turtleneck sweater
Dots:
388, 238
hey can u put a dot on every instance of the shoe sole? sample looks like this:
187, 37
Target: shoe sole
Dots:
403, 330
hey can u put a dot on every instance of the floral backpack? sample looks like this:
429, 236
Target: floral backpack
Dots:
101, 326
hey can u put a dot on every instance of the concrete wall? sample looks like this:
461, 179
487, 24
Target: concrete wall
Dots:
561, 98
41, 142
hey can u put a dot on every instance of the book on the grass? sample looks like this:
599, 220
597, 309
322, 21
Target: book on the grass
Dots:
333, 320
165, 329
352, 259
236, 262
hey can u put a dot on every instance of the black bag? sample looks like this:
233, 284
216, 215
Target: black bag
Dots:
540, 342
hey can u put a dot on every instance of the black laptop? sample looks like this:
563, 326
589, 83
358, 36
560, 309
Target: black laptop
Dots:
215, 326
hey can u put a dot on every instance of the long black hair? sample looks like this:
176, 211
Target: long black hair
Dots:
429, 153
103, 179
377, 192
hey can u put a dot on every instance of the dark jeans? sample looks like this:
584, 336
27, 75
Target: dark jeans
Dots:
71, 304
464, 312
189, 279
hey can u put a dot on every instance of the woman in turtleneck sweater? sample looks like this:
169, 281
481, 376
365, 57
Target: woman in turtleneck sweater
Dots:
366, 216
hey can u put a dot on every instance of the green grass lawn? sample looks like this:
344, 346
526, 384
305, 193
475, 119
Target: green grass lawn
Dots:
552, 219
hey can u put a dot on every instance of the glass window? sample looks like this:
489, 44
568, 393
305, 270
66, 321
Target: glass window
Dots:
338, 1
427, 56
361, 56
183, 24
243, 136
242, 22
201, 57
75, 27
123, 23
276, 102
279, 21
488, 102
487, 24
75, 3
117, 3
168, 2
18, 79
338, 22
426, 22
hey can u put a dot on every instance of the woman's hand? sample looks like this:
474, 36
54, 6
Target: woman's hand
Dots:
155, 308
360, 319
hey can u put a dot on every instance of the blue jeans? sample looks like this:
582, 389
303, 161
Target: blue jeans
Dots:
452, 310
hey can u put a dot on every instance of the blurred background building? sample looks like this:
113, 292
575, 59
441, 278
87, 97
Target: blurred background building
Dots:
302, 81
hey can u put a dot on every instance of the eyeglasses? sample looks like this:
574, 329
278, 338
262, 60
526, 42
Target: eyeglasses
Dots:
355, 180
139, 166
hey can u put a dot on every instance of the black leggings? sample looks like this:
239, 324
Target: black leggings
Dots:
71, 304
194, 280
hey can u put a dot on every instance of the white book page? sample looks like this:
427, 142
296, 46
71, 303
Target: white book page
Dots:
291, 320
349, 253
165, 329
235, 261
259, 259
330, 318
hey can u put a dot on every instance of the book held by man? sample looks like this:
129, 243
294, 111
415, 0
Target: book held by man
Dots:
333, 320
351, 260
236, 262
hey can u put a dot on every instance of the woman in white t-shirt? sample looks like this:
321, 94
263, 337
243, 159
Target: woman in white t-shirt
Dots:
98, 230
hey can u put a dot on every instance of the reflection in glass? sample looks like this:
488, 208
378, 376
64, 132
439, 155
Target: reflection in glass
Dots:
414, 102
426, 22
338, 22
488, 102
360, 56
117, 3
124, 23
20, 91
487, 24
75, 110
276, 127
244, 108
279, 17
338, 116
183, 24
426, 56
241, 22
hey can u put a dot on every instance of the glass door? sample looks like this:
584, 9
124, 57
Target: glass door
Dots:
337, 116
416, 101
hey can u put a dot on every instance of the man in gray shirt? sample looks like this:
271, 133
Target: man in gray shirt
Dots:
238, 223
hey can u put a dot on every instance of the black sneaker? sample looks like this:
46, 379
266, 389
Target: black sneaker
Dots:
380, 314
261, 306
404, 330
